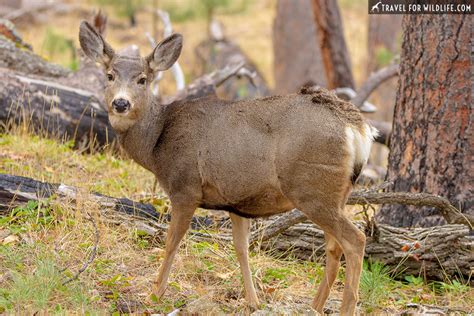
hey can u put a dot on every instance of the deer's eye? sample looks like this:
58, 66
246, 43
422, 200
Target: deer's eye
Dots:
110, 77
142, 81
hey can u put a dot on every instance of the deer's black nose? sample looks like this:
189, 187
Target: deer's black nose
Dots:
121, 105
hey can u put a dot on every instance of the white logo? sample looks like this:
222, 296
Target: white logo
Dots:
376, 7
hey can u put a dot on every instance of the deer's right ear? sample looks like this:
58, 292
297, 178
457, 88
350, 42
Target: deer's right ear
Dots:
93, 45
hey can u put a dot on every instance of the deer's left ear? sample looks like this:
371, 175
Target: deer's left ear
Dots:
93, 45
165, 53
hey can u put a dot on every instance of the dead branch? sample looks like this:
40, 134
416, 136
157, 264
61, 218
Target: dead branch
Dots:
176, 70
218, 52
375, 79
206, 84
348, 94
451, 214
365, 197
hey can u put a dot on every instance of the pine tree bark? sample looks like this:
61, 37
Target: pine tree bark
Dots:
297, 56
432, 142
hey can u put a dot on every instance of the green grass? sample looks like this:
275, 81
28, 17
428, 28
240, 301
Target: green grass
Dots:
34, 282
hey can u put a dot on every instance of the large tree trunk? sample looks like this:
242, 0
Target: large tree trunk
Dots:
432, 142
297, 56
336, 60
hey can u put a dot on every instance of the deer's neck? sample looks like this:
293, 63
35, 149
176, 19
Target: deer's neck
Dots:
140, 139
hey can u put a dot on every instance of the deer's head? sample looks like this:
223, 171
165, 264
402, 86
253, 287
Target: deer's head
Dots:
127, 93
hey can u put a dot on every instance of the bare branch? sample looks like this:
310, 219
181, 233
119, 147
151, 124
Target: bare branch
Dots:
348, 94
206, 84
176, 68
451, 214
373, 82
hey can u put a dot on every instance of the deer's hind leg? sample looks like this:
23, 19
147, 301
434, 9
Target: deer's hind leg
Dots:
352, 242
333, 257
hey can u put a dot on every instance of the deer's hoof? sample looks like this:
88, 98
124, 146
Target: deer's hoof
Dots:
253, 304
156, 295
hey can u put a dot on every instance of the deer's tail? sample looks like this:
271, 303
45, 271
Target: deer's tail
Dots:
359, 142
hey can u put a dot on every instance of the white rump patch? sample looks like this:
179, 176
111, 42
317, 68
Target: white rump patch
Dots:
359, 143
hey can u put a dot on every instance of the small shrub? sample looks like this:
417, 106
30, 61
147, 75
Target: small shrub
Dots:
413, 280
374, 283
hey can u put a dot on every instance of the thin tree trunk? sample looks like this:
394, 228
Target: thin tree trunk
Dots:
297, 56
432, 142
336, 58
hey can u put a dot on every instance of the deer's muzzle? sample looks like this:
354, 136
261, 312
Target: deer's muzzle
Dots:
121, 105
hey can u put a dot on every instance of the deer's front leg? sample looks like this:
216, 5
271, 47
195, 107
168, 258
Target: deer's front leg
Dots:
180, 219
240, 233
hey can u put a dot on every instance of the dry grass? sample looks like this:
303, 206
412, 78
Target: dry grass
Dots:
128, 259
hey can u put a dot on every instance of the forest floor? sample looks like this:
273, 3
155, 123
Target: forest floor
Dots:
42, 245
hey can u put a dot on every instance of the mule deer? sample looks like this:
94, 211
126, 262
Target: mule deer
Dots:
251, 158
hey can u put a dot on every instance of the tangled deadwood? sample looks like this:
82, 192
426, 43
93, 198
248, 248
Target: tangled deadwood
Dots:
436, 252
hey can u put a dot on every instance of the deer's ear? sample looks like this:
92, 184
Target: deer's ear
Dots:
93, 45
165, 53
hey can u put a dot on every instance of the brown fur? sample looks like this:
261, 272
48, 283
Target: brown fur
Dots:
344, 110
253, 158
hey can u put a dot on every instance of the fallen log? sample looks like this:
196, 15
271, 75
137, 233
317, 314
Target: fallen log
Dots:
436, 251
24, 60
55, 107
16, 191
